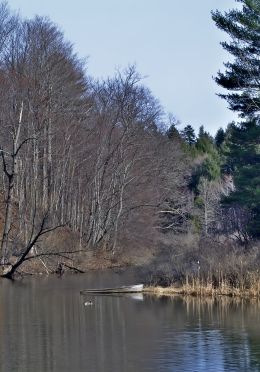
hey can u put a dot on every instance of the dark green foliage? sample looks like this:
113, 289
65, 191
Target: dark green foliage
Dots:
241, 77
201, 131
220, 137
204, 142
172, 132
209, 166
188, 134
243, 160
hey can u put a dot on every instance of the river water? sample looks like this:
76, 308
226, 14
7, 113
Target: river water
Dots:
44, 326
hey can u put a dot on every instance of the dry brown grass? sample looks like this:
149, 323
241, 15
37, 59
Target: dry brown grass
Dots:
248, 286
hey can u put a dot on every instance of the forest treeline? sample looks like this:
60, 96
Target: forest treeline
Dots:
100, 159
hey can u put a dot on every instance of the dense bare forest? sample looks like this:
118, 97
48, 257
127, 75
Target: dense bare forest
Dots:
96, 169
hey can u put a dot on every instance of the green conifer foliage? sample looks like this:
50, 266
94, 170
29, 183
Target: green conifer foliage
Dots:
172, 132
241, 77
188, 134
209, 168
243, 160
219, 137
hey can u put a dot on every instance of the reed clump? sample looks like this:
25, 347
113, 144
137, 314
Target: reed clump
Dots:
246, 285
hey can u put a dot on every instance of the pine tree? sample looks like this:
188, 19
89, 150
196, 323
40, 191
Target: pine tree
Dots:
241, 77
209, 167
244, 162
188, 135
172, 132
201, 131
219, 137
204, 141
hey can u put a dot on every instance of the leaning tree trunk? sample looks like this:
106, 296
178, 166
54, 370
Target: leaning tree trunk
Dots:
10, 174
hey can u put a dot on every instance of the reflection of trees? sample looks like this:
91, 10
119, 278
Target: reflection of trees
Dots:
253, 342
209, 335
223, 333
45, 327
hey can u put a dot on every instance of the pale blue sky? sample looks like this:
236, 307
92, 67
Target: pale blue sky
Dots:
174, 43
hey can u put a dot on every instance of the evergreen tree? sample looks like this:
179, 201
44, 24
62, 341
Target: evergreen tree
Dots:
243, 160
188, 135
204, 182
241, 77
172, 132
209, 167
201, 131
204, 141
220, 137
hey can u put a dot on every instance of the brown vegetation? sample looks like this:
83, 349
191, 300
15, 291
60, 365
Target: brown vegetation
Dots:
91, 178
77, 153
248, 286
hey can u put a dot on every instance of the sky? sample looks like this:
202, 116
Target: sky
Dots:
174, 44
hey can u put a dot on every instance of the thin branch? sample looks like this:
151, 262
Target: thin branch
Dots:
22, 143
47, 254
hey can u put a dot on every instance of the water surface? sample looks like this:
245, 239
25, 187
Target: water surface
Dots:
44, 326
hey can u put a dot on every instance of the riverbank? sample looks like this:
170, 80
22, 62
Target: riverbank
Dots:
199, 288
61, 261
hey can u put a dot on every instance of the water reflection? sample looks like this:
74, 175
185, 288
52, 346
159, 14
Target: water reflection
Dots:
132, 296
211, 335
44, 326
